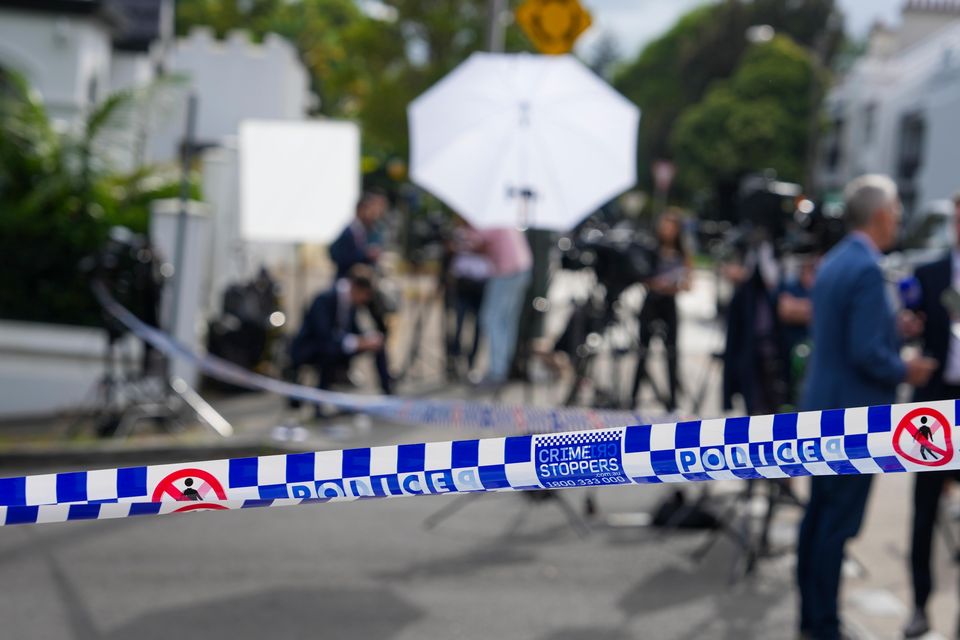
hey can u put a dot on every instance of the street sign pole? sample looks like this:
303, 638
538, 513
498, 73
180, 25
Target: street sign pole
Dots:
495, 26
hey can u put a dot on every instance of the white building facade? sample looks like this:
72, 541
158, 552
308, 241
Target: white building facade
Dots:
236, 79
75, 53
897, 111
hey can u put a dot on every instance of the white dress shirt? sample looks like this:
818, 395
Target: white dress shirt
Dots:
350, 341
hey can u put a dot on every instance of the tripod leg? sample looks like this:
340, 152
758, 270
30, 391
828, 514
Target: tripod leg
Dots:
673, 522
725, 519
580, 374
773, 495
590, 505
576, 522
207, 414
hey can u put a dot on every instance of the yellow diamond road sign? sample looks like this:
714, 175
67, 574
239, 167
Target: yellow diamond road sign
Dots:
553, 25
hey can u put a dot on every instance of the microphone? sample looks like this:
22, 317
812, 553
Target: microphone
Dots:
911, 295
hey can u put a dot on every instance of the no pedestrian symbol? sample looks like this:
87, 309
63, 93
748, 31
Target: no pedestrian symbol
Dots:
924, 437
190, 485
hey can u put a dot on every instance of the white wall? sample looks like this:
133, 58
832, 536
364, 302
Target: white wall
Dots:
60, 56
918, 25
941, 171
924, 78
235, 80
130, 69
49, 368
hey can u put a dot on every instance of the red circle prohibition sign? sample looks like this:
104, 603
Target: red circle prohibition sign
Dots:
167, 487
925, 451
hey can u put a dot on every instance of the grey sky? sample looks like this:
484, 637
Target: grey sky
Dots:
635, 22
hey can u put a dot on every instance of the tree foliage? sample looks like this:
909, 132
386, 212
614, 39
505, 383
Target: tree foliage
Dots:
362, 67
677, 70
59, 196
757, 119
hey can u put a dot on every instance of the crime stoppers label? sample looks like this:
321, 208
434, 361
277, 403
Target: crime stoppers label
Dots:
579, 459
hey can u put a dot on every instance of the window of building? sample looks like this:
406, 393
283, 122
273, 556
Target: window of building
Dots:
913, 127
92, 90
833, 145
869, 122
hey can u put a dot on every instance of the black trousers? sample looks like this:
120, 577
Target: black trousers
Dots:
467, 301
927, 489
834, 514
658, 317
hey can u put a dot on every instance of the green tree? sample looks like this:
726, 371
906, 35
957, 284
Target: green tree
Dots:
604, 56
59, 195
437, 35
677, 69
757, 119
362, 67
342, 48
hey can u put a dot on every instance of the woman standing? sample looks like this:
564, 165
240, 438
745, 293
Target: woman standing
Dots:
672, 268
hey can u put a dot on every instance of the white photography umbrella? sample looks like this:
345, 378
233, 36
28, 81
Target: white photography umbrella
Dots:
523, 140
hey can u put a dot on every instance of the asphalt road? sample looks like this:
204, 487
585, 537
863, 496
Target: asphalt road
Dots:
502, 567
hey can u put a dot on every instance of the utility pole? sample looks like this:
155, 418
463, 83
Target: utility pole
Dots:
187, 150
495, 31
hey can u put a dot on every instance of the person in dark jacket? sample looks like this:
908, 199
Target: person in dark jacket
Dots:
855, 362
672, 272
753, 360
940, 343
330, 337
360, 242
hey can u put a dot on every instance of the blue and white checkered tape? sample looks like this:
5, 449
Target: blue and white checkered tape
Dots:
881, 439
457, 413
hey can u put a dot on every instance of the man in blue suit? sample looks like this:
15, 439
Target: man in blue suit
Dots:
330, 336
856, 362
359, 242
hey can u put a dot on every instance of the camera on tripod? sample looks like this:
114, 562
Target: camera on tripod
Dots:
619, 257
129, 268
770, 210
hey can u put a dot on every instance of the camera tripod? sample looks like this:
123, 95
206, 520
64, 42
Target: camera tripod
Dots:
423, 307
737, 521
125, 398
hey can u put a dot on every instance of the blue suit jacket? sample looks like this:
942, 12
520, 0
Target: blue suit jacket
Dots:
935, 278
856, 359
346, 252
321, 336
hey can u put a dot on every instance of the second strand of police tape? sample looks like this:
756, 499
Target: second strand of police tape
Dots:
867, 440
456, 413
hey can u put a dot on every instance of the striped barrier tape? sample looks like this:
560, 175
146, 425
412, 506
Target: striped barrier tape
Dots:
880, 439
455, 413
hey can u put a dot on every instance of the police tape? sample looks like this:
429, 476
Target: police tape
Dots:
867, 440
456, 413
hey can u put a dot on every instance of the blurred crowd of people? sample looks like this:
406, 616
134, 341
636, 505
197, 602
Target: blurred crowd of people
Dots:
838, 316
805, 331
